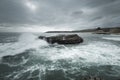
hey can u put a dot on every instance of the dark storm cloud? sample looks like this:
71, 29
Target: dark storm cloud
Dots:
12, 11
76, 14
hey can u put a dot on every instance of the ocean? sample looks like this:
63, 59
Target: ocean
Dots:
25, 57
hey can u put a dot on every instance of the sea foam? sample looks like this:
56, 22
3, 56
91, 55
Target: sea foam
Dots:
26, 41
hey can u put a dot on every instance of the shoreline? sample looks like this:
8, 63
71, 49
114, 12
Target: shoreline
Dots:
115, 30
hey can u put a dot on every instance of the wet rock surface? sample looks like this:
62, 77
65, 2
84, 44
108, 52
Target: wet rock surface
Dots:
63, 39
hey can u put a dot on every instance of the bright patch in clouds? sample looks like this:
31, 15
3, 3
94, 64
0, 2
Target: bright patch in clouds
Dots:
32, 28
35, 28
31, 5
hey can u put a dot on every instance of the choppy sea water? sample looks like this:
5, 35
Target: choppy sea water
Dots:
25, 57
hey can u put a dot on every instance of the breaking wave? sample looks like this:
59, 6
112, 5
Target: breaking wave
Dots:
25, 41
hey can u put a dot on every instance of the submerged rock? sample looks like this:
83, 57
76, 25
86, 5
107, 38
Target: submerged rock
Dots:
63, 39
91, 78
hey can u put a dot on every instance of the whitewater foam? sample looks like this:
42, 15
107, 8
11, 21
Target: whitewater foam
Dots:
112, 37
101, 53
26, 41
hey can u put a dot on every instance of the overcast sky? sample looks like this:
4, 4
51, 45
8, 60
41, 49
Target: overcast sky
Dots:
43, 15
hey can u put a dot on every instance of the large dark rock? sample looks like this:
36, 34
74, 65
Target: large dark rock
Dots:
63, 39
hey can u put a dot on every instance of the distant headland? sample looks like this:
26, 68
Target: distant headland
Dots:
98, 30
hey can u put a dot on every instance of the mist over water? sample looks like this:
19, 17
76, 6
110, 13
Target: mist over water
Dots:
25, 57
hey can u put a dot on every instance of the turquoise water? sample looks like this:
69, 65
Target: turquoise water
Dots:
25, 57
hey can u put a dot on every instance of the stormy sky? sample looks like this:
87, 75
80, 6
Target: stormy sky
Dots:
45, 15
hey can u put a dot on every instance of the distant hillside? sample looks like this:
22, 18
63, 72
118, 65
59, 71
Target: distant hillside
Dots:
113, 30
95, 30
